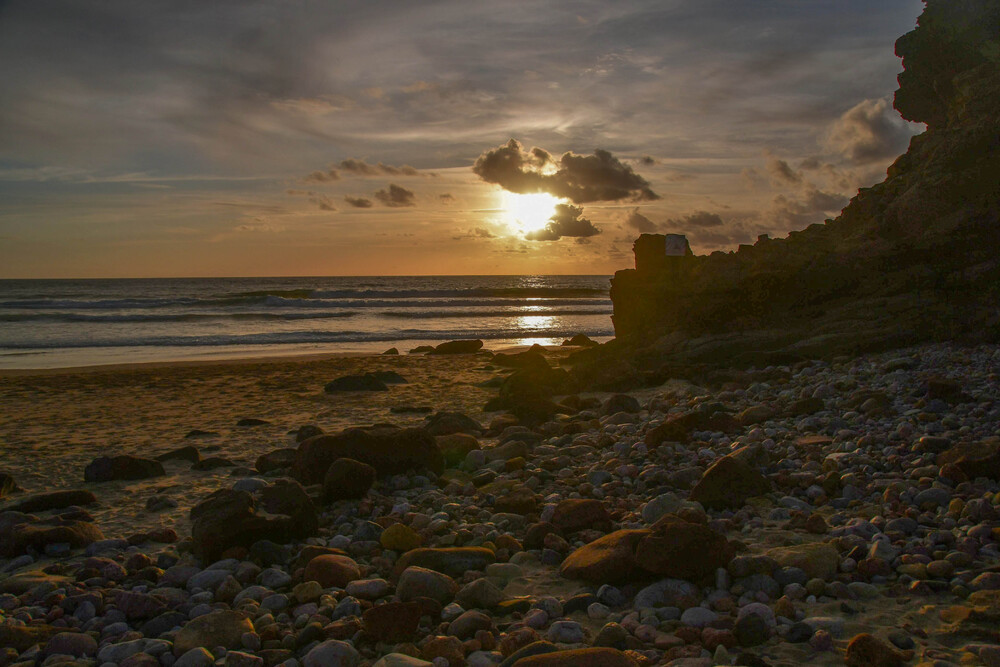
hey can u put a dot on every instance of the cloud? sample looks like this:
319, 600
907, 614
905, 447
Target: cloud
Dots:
813, 205
477, 233
566, 221
323, 203
870, 131
780, 172
647, 160
359, 202
447, 196
579, 178
697, 220
396, 196
362, 168
322, 176
639, 222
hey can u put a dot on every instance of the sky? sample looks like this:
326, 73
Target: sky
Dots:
143, 138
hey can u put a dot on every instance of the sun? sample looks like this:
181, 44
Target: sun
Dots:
530, 212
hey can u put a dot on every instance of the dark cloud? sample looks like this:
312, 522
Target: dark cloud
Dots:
477, 233
362, 168
327, 176
323, 203
647, 160
870, 131
813, 205
359, 202
447, 196
639, 222
396, 196
697, 220
781, 173
566, 221
579, 178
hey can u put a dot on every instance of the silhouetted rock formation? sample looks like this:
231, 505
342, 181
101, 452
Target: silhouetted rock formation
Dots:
911, 259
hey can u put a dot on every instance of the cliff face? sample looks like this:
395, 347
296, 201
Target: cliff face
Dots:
913, 258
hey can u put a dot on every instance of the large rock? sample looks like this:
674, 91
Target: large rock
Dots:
528, 392
392, 622
366, 382
455, 447
607, 560
680, 427
332, 570
580, 657
347, 478
22, 637
671, 548
7, 485
817, 559
277, 459
187, 453
389, 449
53, 500
218, 628
279, 512
866, 650
420, 582
446, 423
19, 532
681, 550
575, 514
972, 459
728, 483
453, 561
458, 347
122, 467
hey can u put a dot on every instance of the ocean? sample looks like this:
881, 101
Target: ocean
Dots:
68, 323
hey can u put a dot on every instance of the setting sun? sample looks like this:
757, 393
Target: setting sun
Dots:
529, 212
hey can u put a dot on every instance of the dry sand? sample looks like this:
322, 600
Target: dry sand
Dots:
54, 422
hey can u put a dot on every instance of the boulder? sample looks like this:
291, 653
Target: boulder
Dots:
620, 403
528, 392
529, 359
681, 550
332, 570
390, 377
346, 479
458, 347
574, 514
819, 560
420, 582
728, 483
865, 650
122, 467
213, 462
218, 628
456, 447
22, 637
973, 459
53, 500
392, 622
279, 512
579, 340
518, 500
580, 657
607, 560
307, 431
20, 531
453, 561
446, 423
680, 427
387, 448
277, 459
187, 453
400, 537
7, 485
366, 382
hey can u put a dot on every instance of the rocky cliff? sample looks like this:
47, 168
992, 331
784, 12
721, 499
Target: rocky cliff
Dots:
914, 258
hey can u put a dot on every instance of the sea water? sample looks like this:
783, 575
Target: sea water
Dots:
65, 323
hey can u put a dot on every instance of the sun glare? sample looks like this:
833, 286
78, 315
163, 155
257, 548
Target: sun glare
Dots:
529, 212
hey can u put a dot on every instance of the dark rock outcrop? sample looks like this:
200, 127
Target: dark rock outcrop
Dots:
347, 478
912, 259
19, 531
123, 467
387, 448
7, 485
54, 500
458, 347
227, 518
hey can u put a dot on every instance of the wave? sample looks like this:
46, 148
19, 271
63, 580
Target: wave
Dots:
435, 314
300, 337
172, 317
